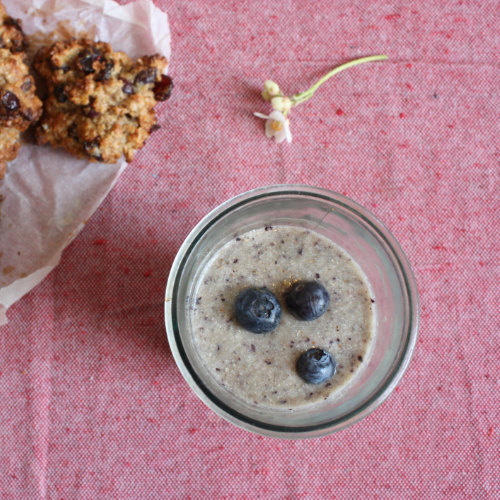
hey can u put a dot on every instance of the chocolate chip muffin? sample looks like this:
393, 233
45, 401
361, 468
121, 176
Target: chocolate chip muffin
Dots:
100, 103
19, 105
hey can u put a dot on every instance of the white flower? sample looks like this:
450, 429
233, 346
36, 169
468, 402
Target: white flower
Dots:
271, 89
281, 103
277, 126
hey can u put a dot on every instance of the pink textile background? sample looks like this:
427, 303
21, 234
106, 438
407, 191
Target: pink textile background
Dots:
92, 403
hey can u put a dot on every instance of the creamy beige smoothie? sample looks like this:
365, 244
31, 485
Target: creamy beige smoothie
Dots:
261, 368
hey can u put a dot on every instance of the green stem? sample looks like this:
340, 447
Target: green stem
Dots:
304, 96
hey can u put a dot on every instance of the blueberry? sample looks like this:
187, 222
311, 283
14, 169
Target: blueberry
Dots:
127, 88
59, 93
106, 72
91, 147
27, 84
257, 310
86, 59
145, 76
316, 366
307, 300
9, 101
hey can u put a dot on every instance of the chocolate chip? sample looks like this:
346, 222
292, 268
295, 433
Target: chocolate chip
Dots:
154, 128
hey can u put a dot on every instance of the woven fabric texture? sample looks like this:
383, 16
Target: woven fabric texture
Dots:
92, 403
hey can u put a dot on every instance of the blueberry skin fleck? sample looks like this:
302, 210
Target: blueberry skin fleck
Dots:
307, 300
316, 366
257, 310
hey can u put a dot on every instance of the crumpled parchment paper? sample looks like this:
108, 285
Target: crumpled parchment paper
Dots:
47, 195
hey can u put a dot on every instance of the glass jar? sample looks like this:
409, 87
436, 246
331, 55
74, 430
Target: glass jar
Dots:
365, 239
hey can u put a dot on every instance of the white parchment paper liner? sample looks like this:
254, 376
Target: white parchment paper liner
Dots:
47, 195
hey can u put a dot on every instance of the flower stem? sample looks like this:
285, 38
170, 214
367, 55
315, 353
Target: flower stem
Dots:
304, 96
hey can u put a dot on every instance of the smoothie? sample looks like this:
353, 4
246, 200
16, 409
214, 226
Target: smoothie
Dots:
260, 369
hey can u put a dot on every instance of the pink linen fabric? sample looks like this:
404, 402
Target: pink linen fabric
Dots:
92, 403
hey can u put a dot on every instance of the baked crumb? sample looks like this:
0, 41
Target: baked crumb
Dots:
19, 105
100, 103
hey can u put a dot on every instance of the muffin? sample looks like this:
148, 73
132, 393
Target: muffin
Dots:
19, 105
100, 103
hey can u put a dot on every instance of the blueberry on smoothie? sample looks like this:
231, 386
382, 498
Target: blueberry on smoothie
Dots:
316, 366
257, 310
307, 300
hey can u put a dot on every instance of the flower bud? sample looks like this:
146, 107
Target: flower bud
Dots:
271, 89
283, 104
